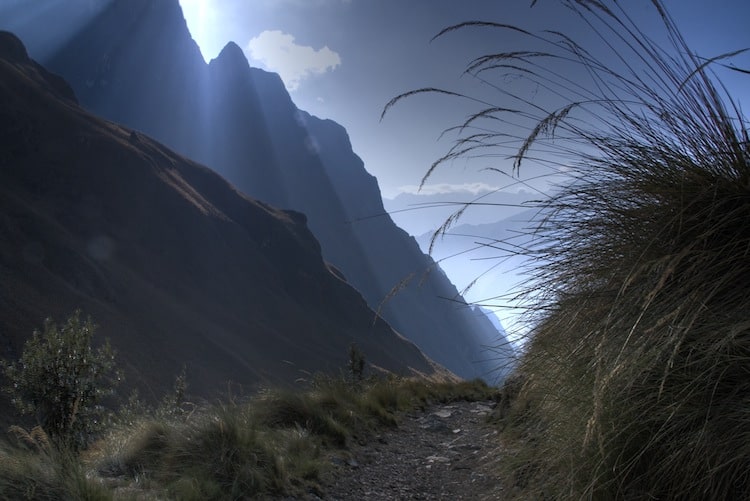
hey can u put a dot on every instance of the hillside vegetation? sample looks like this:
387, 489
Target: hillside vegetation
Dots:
634, 381
274, 443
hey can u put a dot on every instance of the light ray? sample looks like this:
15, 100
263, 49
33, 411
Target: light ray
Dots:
22, 18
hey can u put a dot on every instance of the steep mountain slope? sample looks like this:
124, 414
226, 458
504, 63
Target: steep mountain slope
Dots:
173, 263
135, 62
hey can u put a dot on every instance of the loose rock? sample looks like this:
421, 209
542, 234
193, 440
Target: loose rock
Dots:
448, 452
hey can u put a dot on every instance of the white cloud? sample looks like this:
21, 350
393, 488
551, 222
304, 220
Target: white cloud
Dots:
278, 52
443, 188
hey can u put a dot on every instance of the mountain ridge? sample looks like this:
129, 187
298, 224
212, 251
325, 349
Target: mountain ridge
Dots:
242, 122
175, 264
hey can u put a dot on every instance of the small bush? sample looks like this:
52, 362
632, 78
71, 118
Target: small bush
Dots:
356, 363
61, 379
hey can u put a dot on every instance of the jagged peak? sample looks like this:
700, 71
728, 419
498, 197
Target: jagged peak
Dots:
232, 54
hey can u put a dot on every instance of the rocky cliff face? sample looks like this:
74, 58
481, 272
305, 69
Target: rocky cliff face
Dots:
175, 264
135, 62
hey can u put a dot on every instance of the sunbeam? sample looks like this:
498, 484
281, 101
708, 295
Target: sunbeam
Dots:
22, 18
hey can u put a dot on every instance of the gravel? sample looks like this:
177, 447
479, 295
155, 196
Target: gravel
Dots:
446, 452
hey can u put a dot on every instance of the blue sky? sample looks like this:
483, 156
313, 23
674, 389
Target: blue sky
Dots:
344, 59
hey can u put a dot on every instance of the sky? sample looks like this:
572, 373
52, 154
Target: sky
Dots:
345, 59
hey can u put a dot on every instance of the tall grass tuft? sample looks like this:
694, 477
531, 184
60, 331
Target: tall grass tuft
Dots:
46, 473
324, 415
215, 455
635, 376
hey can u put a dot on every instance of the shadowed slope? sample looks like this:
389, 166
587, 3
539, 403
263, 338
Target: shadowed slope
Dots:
136, 63
173, 263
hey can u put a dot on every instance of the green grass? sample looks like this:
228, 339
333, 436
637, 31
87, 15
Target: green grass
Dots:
277, 443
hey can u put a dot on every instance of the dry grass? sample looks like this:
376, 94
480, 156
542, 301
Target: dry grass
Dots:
35, 471
635, 375
275, 444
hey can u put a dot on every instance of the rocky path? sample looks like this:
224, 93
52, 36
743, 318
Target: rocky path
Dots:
446, 452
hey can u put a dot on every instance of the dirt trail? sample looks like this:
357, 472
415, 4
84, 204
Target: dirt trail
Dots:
446, 452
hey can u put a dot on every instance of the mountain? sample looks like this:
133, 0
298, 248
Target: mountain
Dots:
484, 240
424, 212
174, 264
493, 257
133, 61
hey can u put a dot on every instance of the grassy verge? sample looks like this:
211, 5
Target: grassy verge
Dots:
633, 384
277, 443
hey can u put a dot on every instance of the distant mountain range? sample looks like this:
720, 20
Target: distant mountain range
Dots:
423, 212
133, 61
493, 258
175, 264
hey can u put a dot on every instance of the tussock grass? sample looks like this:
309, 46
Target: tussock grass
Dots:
274, 444
325, 415
221, 452
634, 380
46, 474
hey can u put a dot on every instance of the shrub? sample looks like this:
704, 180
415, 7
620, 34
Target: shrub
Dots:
61, 379
356, 363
